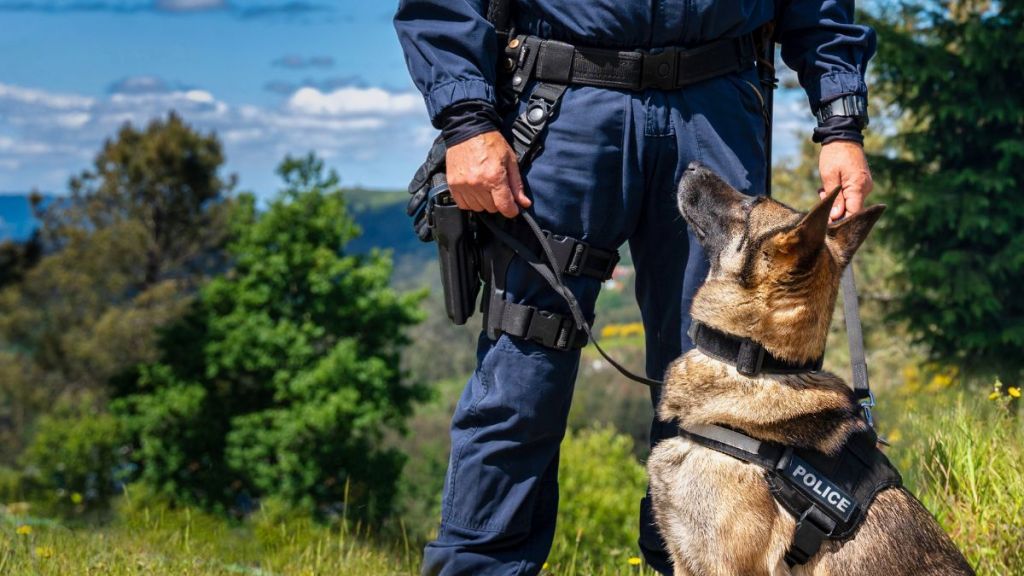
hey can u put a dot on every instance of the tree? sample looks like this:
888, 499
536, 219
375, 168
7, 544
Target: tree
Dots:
82, 300
954, 172
164, 179
284, 376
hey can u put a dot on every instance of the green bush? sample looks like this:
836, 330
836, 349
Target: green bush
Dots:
284, 376
73, 459
601, 484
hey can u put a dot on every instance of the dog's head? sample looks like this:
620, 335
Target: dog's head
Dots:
774, 271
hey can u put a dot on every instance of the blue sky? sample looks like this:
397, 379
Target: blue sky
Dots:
270, 76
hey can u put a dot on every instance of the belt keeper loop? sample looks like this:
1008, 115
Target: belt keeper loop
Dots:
578, 253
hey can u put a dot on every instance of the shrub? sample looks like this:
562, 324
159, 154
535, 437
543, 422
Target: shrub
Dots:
284, 376
73, 458
601, 484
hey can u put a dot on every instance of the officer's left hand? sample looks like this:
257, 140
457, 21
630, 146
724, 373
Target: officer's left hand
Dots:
843, 163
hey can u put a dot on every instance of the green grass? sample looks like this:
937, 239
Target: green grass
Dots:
961, 455
963, 458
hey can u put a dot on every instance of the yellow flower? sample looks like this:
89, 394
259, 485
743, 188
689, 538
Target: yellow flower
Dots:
24, 530
545, 566
634, 561
993, 395
76, 498
1013, 391
44, 551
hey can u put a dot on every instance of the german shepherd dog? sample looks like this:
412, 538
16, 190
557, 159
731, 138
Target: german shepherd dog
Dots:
774, 278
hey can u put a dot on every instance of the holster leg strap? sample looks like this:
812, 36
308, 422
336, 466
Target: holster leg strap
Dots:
549, 329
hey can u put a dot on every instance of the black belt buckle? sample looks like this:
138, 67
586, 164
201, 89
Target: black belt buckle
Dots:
660, 70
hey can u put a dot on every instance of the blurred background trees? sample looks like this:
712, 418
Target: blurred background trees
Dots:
952, 173
110, 263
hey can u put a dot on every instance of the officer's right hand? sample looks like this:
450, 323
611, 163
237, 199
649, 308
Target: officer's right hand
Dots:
483, 175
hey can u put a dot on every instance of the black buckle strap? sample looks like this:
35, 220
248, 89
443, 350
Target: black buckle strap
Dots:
812, 528
577, 258
549, 329
553, 276
528, 126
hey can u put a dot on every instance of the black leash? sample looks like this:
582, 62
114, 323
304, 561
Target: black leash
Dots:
855, 337
551, 273
553, 276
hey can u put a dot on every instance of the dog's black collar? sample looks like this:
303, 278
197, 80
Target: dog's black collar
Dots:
749, 357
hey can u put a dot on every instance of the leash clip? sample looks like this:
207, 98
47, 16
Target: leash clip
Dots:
866, 404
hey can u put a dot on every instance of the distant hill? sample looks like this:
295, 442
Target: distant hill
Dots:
380, 214
16, 221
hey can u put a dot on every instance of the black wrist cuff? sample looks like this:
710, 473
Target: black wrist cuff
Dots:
464, 120
838, 128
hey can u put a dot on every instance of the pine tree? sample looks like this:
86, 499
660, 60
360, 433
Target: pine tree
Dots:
953, 177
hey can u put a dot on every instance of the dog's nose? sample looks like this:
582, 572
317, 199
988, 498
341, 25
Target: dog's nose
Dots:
694, 166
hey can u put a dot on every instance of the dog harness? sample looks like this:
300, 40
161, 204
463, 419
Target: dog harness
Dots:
829, 496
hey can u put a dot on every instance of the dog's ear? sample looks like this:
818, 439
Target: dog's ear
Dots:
850, 232
807, 237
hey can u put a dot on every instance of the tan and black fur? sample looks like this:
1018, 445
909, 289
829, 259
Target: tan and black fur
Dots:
774, 278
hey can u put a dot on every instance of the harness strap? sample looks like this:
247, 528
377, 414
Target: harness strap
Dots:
735, 444
812, 529
814, 523
750, 358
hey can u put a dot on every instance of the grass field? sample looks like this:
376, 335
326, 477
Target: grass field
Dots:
961, 457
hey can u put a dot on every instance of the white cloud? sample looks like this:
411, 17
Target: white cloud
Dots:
352, 100
29, 96
373, 136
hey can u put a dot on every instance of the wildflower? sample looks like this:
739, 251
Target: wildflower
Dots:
76, 498
634, 561
24, 530
993, 395
1013, 391
545, 566
44, 551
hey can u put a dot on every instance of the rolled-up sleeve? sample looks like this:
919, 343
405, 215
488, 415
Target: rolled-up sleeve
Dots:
450, 50
828, 51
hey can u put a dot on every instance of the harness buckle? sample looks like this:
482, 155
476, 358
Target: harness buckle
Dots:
812, 528
660, 70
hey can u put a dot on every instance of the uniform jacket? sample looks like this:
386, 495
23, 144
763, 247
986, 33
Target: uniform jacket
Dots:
450, 47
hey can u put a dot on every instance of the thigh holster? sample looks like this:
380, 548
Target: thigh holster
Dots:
572, 257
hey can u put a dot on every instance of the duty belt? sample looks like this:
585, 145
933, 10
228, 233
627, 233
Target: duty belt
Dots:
557, 65
667, 69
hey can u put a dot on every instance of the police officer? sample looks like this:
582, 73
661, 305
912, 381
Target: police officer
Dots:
606, 175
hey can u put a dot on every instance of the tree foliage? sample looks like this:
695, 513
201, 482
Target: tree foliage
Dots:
954, 174
112, 261
284, 376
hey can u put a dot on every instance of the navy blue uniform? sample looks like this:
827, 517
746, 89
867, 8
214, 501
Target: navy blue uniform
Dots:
607, 174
